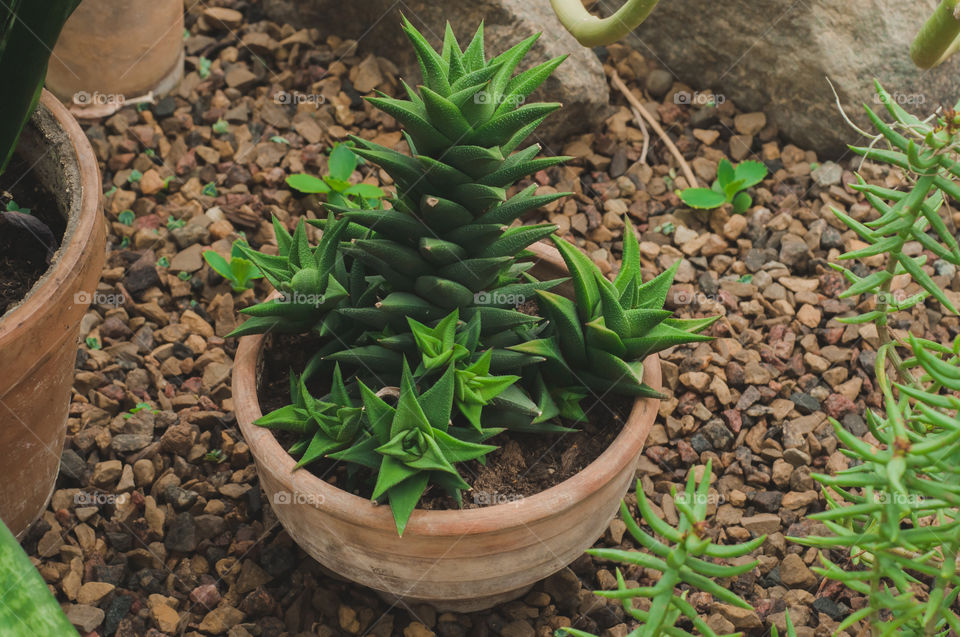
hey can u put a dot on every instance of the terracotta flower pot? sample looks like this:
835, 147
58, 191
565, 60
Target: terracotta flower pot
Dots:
38, 337
115, 49
458, 560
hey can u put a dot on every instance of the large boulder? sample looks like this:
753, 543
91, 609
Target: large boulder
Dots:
579, 83
776, 56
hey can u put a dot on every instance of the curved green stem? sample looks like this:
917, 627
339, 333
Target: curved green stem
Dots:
590, 30
939, 37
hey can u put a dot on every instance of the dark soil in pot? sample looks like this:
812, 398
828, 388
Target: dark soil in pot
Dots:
523, 465
27, 239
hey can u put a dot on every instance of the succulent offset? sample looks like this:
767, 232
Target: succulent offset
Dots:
424, 305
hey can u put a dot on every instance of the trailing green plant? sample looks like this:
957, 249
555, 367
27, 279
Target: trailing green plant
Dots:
239, 272
895, 514
336, 185
425, 308
684, 558
730, 187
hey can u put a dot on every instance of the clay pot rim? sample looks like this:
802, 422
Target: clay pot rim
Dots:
49, 289
341, 504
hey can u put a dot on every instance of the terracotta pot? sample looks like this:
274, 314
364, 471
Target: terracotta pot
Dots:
38, 337
114, 49
458, 560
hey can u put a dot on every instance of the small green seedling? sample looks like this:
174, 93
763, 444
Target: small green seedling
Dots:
126, 217
215, 455
336, 186
221, 127
163, 262
92, 342
184, 276
138, 408
239, 272
13, 206
203, 67
210, 190
730, 187
173, 223
109, 193
135, 176
277, 139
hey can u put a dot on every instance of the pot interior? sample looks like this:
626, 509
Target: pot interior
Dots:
48, 154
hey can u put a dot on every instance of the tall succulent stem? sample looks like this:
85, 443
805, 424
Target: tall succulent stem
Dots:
591, 31
939, 37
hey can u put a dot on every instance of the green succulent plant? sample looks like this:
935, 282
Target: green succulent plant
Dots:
446, 237
685, 559
600, 338
325, 426
412, 445
312, 281
425, 298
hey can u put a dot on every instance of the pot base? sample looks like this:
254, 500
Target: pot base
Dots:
470, 605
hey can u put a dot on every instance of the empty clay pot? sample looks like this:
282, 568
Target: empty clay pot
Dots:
457, 560
111, 50
38, 337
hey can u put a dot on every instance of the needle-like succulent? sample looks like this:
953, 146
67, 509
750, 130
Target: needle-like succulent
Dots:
684, 559
600, 338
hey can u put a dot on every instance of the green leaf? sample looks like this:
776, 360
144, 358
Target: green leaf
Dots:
307, 184
342, 162
750, 173
367, 191
404, 498
702, 198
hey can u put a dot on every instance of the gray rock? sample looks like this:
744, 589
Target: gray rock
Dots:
182, 534
778, 65
828, 174
659, 82
718, 434
190, 234
125, 443
85, 617
564, 588
579, 83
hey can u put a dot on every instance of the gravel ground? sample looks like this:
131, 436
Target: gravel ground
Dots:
159, 526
